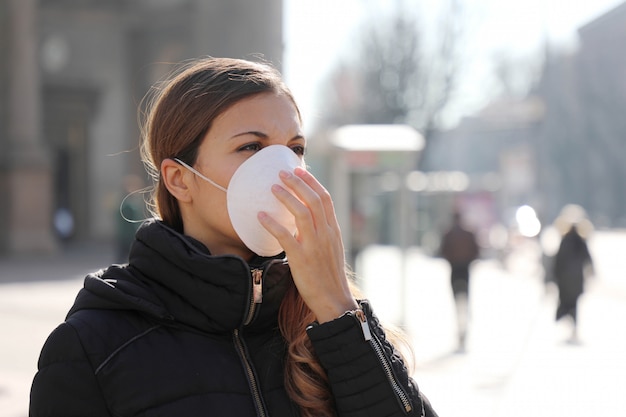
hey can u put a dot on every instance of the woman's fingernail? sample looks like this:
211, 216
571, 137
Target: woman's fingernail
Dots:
284, 174
277, 188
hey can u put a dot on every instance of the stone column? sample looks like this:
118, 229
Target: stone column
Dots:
28, 172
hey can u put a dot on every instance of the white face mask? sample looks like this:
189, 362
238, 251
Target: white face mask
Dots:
249, 192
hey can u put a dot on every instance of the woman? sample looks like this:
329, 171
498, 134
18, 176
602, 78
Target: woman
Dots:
180, 330
570, 263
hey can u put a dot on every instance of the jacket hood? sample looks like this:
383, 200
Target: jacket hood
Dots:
172, 277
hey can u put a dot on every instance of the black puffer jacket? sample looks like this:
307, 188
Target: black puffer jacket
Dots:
177, 332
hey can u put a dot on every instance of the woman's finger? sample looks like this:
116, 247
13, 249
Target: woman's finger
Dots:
313, 194
281, 233
320, 190
305, 221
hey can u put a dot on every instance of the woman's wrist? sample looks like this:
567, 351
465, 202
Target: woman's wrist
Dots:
334, 311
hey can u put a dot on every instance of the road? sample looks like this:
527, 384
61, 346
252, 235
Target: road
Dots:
517, 361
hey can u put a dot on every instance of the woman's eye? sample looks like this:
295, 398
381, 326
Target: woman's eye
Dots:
251, 147
255, 147
298, 150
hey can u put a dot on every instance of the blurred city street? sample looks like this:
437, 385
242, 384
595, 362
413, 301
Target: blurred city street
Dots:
517, 361
505, 117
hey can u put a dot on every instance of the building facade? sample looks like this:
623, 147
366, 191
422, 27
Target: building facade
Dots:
564, 143
72, 77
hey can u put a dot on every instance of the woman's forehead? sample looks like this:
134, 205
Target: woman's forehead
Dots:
266, 113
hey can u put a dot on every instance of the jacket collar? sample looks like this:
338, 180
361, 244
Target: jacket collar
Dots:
174, 277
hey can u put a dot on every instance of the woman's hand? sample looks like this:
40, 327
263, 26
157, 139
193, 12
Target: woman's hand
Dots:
316, 253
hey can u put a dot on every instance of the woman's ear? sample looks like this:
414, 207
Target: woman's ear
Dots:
176, 179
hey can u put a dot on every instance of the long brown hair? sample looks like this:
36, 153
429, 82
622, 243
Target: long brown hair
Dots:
178, 114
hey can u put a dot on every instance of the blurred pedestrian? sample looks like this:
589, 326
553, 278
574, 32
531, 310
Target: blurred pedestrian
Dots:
460, 248
235, 300
570, 265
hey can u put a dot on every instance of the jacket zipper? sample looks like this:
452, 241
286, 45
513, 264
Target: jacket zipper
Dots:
402, 396
254, 387
255, 299
257, 293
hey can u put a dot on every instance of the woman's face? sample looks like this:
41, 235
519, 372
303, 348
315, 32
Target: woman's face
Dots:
246, 127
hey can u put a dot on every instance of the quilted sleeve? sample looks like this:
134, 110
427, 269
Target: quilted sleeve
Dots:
366, 374
65, 383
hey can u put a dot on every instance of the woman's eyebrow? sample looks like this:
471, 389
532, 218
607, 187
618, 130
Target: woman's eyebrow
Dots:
262, 135
256, 133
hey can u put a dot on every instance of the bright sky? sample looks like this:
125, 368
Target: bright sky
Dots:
319, 32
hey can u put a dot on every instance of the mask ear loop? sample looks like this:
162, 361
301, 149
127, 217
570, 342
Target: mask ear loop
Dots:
142, 191
200, 175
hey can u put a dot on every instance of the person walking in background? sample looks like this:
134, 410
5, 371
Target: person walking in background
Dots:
570, 263
459, 248
236, 300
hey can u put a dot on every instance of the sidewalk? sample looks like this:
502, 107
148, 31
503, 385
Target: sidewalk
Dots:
518, 361
35, 295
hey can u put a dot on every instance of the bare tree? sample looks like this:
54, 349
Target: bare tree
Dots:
516, 75
395, 79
